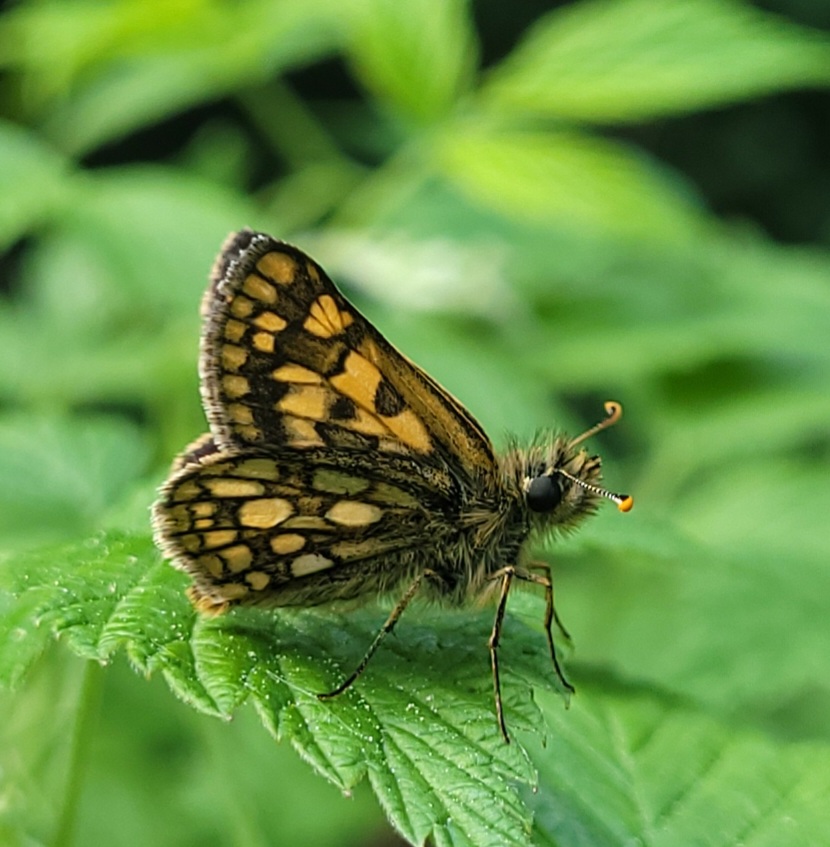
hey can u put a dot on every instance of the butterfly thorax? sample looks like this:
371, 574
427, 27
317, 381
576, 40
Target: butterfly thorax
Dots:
497, 515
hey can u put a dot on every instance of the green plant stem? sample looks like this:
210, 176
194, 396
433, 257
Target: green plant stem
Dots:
291, 127
241, 816
85, 720
298, 136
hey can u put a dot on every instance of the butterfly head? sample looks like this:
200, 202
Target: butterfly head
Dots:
564, 486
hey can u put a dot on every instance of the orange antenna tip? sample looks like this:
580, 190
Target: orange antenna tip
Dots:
626, 503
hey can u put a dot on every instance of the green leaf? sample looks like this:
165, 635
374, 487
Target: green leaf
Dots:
728, 434
738, 625
61, 475
70, 590
100, 71
33, 182
50, 366
417, 57
155, 227
668, 774
627, 60
567, 179
419, 724
677, 324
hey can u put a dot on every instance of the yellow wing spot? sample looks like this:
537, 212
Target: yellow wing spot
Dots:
203, 509
309, 563
235, 385
258, 469
307, 401
234, 330
392, 494
216, 469
410, 429
366, 423
234, 487
325, 320
241, 413
230, 591
307, 522
265, 513
233, 357
257, 580
241, 307
202, 523
187, 490
359, 380
259, 289
219, 537
248, 432
270, 321
264, 342
312, 272
212, 564
296, 373
338, 482
178, 519
309, 505
191, 543
289, 542
301, 433
354, 513
238, 558
279, 267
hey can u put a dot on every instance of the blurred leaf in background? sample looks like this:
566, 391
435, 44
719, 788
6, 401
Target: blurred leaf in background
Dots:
544, 205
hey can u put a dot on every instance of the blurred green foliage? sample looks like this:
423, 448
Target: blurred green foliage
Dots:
491, 197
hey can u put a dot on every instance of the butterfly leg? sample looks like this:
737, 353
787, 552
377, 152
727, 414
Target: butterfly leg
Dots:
506, 575
550, 616
544, 568
382, 633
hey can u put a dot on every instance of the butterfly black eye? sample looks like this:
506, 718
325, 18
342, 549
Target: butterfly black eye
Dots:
543, 494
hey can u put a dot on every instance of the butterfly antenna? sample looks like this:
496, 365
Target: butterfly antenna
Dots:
614, 413
624, 501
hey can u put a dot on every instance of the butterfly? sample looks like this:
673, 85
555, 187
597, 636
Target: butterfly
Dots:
336, 469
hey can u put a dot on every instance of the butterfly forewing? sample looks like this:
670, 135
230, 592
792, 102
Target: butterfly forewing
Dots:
287, 361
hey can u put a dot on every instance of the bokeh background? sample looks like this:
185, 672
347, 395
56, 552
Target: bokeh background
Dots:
545, 205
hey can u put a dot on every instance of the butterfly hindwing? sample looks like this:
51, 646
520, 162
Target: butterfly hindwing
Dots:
288, 362
284, 528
